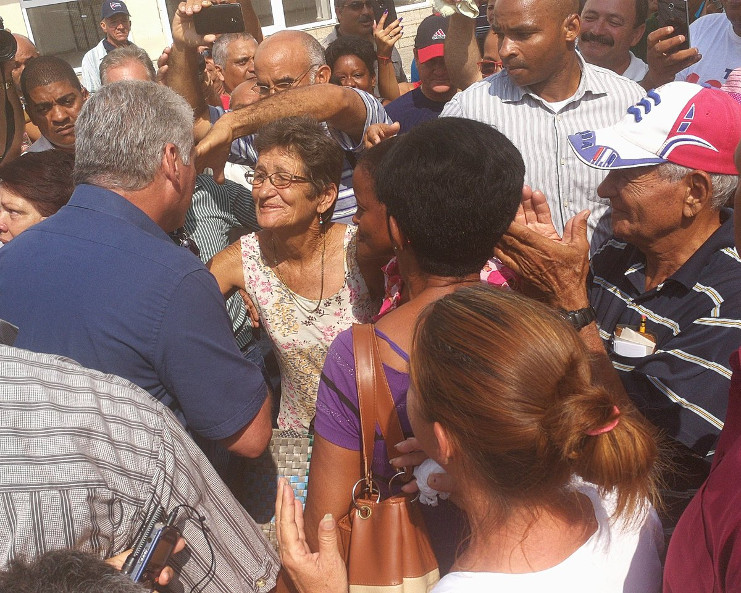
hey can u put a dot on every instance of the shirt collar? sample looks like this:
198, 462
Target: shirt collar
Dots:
693, 268
99, 199
589, 83
722, 238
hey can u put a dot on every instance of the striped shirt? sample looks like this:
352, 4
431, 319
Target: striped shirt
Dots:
84, 456
243, 152
541, 134
214, 212
695, 316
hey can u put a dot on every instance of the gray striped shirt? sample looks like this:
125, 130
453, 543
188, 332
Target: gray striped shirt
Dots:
85, 455
541, 134
214, 212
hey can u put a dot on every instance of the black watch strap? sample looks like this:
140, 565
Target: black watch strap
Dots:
581, 317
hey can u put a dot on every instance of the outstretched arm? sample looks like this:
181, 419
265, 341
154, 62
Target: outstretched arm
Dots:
340, 107
462, 51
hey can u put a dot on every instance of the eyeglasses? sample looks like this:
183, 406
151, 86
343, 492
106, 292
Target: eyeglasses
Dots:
264, 90
279, 179
489, 67
359, 5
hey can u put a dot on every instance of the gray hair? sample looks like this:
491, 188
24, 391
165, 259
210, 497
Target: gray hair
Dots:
723, 185
124, 55
66, 571
122, 131
315, 53
218, 51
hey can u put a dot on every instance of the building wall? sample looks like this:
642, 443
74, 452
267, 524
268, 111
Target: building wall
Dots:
412, 17
151, 31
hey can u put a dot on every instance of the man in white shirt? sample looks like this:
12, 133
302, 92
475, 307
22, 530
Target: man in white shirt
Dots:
609, 28
116, 24
718, 39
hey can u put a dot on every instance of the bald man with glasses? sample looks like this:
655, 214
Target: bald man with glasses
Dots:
292, 79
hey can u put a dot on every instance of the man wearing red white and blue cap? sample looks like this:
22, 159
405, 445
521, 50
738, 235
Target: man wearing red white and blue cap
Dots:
670, 272
116, 24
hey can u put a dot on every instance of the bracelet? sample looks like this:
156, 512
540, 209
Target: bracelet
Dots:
383, 59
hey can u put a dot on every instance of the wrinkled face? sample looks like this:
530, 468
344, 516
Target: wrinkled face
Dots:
356, 18
351, 71
608, 32
532, 42
433, 75
132, 70
645, 206
16, 214
373, 235
25, 52
287, 207
54, 109
240, 63
117, 29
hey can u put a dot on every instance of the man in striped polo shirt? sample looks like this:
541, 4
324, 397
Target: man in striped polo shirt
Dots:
670, 272
546, 91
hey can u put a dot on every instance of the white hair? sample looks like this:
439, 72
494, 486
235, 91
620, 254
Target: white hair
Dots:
723, 185
122, 131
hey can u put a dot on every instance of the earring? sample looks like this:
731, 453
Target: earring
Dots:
321, 220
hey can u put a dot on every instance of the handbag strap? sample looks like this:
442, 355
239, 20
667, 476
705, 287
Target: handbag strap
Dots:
375, 402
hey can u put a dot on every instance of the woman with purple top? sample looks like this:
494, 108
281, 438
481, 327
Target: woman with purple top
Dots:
450, 187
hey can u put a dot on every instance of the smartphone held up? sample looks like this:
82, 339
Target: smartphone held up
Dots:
219, 18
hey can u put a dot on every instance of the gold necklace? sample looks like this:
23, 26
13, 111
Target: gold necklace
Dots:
292, 294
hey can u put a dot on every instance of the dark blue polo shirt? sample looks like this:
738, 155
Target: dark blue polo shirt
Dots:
696, 317
412, 109
101, 283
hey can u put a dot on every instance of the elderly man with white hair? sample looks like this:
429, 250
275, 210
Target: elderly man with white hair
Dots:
661, 306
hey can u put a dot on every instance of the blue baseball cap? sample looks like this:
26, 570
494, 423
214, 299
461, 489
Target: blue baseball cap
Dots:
111, 7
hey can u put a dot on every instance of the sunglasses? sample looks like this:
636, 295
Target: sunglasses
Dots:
489, 67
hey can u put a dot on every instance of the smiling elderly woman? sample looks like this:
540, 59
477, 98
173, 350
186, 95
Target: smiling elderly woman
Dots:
300, 271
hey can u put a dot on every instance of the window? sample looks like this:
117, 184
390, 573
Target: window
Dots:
64, 29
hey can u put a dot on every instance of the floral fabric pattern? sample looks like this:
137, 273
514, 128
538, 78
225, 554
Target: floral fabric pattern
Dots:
300, 337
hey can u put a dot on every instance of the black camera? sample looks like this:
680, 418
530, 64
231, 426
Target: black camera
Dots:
8, 44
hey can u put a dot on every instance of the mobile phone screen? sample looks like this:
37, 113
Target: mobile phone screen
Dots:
219, 18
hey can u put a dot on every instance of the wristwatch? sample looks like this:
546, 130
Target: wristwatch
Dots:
580, 318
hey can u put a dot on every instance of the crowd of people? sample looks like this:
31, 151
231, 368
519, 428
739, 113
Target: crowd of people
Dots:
540, 228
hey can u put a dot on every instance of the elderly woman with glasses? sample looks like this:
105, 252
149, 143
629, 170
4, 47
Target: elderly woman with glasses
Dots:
300, 270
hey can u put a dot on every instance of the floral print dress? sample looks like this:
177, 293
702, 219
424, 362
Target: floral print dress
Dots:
300, 337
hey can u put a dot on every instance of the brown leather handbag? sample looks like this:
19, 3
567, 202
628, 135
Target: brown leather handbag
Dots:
386, 544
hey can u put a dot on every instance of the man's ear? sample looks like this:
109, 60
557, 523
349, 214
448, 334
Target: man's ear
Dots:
637, 35
219, 72
572, 27
85, 94
323, 74
699, 193
170, 164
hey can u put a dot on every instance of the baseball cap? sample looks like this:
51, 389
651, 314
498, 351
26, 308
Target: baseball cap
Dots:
111, 7
679, 122
430, 39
